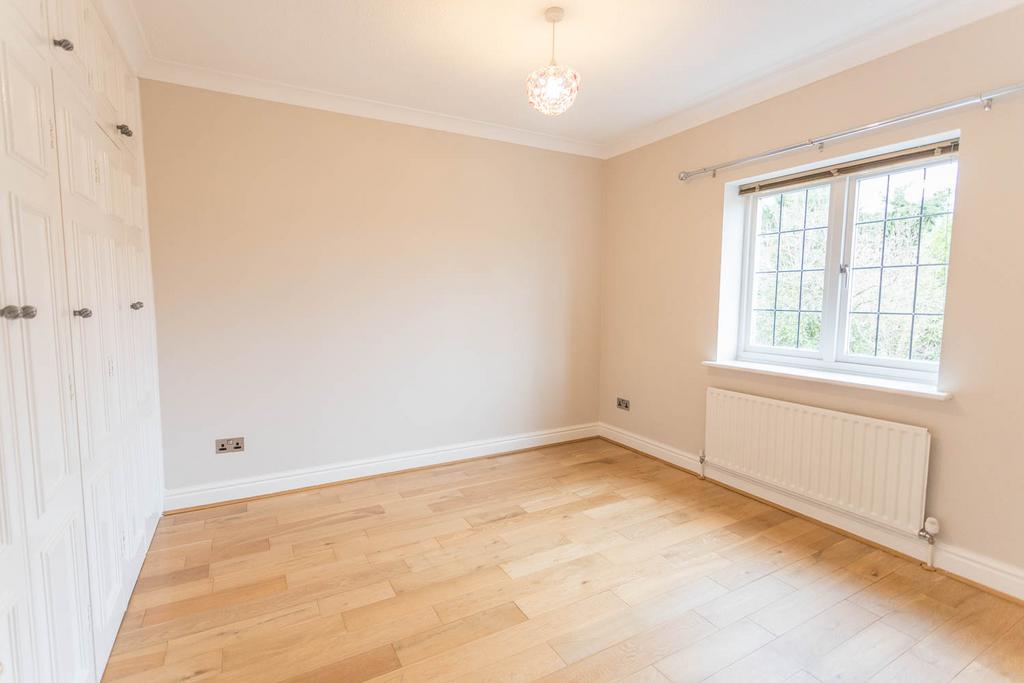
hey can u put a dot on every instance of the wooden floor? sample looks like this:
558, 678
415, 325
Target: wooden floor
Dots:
581, 562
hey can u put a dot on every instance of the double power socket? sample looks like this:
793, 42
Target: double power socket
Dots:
233, 445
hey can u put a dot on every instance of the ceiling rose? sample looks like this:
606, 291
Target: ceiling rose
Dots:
552, 89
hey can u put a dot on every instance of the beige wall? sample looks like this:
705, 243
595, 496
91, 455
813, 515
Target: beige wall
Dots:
335, 288
662, 255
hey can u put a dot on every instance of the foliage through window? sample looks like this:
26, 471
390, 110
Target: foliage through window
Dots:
851, 272
789, 268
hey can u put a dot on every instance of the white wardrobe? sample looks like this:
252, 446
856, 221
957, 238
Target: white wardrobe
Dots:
81, 477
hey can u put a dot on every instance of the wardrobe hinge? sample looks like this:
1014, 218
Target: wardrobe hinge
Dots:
53, 136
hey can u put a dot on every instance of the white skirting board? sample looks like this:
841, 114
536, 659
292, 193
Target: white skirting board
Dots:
967, 564
218, 492
986, 571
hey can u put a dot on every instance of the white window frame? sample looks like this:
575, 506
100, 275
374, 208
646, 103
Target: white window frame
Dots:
831, 356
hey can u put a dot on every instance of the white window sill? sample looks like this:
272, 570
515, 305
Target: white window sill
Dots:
891, 386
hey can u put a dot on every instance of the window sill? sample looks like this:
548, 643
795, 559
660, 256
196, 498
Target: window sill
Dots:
891, 386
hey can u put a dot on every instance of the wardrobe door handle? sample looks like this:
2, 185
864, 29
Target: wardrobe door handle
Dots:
136, 305
83, 313
64, 44
125, 130
28, 312
10, 312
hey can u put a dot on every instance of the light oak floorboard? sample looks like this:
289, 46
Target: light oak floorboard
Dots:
577, 562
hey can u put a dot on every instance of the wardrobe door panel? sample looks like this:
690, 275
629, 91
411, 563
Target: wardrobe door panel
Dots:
79, 164
104, 495
16, 658
16, 661
27, 115
61, 603
133, 494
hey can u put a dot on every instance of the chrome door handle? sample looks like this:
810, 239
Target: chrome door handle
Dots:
136, 305
10, 312
28, 312
64, 44
83, 313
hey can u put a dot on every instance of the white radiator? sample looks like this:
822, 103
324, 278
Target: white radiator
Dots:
855, 472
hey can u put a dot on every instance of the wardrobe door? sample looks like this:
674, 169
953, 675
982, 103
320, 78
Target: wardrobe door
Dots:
132, 314
91, 192
18, 155
36, 320
16, 656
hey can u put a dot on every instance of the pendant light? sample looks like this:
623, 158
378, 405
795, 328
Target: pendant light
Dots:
552, 89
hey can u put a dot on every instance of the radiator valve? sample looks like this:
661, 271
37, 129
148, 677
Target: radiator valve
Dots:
928, 532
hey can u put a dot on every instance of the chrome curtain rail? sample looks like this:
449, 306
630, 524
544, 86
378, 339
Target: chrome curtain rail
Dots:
983, 99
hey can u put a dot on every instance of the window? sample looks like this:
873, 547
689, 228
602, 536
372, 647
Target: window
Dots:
849, 273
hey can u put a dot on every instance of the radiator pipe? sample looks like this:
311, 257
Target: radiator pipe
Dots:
928, 532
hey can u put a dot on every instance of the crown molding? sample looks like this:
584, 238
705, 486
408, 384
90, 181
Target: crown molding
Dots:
208, 79
884, 40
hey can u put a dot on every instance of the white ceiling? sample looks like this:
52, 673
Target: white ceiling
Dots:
649, 68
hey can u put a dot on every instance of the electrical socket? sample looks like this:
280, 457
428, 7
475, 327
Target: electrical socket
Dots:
233, 445
622, 403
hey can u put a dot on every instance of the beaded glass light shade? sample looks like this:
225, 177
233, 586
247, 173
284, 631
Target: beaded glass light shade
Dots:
552, 89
